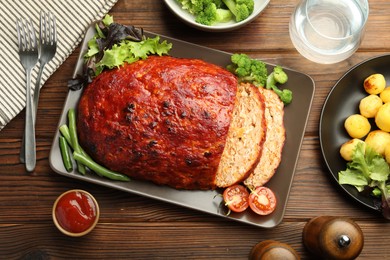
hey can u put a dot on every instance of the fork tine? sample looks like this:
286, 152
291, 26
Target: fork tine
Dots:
22, 37
31, 32
48, 28
25, 35
43, 30
42, 27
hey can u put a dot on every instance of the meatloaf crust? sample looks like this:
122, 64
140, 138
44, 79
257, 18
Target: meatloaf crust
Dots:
162, 119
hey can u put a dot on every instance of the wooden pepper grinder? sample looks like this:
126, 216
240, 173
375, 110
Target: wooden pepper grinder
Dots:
333, 237
273, 250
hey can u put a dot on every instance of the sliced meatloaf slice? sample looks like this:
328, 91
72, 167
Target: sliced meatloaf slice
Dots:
245, 137
274, 141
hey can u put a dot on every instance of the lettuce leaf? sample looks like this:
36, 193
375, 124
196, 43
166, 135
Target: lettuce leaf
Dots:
368, 169
129, 51
114, 45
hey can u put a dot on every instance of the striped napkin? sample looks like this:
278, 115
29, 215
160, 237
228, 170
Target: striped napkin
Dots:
72, 18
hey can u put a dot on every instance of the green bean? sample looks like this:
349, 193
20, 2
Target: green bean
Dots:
79, 157
65, 154
64, 130
73, 137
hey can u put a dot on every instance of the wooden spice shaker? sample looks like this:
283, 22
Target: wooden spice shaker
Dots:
272, 250
333, 237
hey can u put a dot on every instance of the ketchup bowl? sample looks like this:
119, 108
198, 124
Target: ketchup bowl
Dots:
75, 213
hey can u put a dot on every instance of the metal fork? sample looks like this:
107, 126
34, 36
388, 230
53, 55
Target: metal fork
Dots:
47, 50
28, 52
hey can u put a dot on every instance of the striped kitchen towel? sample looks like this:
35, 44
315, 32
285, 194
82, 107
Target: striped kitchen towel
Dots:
72, 18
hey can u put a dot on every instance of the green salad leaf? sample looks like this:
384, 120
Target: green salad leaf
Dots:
368, 169
112, 46
115, 44
129, 52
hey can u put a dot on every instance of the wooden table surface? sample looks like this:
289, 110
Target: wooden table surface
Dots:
135, 227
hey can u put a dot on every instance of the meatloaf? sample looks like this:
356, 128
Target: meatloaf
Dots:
246, 136
273, 144
162, 119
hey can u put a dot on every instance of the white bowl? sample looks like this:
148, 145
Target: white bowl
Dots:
189, 19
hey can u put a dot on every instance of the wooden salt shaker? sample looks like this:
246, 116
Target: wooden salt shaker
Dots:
272, 250
333, 237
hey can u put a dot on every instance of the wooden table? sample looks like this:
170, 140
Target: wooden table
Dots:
135, 227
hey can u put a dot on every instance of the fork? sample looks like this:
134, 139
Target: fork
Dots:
28, 52
47, 50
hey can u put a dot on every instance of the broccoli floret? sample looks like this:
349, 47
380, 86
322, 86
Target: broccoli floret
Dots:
241, 9
285, 95
248, 70
193, 6
255, 72
279, 76
219, 4
213, 15
207, 12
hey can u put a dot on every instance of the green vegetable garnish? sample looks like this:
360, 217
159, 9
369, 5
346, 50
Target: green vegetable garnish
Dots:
107, 20
248, 70
69, 139
64, 148
64, 130
73, 137
255, 71
368, 169
279, 76
130, 51
114, 45
102, 171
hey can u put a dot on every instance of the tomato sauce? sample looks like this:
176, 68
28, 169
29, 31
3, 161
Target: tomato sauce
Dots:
76, 211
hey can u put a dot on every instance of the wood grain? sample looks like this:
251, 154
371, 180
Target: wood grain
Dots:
134, 227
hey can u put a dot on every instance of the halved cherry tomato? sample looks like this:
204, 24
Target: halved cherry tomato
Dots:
236, 198
262, 201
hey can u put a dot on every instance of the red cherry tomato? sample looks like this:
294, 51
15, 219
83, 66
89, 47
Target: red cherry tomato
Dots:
262, 201
236, 198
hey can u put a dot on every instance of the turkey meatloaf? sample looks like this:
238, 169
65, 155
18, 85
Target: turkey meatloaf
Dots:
273, 144
179, 122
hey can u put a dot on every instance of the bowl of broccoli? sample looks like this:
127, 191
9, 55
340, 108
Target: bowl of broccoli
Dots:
217, 15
